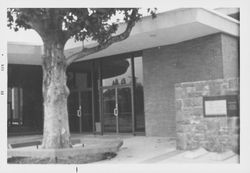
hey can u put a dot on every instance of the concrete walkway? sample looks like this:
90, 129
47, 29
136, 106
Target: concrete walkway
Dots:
146, 150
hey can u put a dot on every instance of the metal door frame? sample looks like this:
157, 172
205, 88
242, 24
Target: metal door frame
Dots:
116, 87
79, 110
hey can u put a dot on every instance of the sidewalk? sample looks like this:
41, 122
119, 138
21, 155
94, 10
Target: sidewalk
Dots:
146, 150
160, 150
140, 148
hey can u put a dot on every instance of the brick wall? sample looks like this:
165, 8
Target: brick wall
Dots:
230, 52
163, 67
193, 129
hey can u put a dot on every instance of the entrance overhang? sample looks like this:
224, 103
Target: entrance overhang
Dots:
167, 28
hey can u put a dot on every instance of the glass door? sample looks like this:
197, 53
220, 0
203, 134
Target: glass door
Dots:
109, 108
124, 109
80, 111
117, 110
86, 119
73, 110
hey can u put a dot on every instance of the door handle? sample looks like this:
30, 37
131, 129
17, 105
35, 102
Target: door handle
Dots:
116, 110
79, 112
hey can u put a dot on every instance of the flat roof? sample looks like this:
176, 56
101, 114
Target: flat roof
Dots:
167, 28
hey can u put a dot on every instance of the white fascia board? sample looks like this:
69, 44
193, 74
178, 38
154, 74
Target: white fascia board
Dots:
25, 59
146, 25
164, 20
227, 11
23, 48
24, 53
219, 21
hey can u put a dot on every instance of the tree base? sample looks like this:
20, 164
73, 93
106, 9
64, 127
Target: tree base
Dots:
85, 154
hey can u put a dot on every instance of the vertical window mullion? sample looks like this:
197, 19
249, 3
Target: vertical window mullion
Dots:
133, 94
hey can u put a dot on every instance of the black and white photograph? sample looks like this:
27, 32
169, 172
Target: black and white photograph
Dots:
123, 85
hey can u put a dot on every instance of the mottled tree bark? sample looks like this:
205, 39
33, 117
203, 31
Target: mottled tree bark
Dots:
55, 93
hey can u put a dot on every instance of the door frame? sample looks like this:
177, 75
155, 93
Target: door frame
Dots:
79, 91
97, 89
116, 87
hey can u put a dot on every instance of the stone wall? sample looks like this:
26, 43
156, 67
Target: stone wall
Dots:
193, 129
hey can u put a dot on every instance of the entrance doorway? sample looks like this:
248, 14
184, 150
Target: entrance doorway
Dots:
80, 111
107, 96
117, 109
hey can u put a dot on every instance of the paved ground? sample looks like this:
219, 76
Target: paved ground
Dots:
141, 149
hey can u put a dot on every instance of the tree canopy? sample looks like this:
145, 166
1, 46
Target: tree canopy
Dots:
62, 24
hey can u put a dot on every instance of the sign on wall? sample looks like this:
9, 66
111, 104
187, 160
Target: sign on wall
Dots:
215, 106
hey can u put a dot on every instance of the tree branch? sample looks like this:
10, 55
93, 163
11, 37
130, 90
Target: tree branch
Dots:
37, 27
87, 51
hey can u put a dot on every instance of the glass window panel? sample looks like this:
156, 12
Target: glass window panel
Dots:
9, 104
139, 96
15, 105
86, 106
138, 70
125, 110
109, 101
83, 80
124, 100
70, 80
73, 106
116, 72
79, 75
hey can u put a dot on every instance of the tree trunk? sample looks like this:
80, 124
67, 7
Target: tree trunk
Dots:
55, 93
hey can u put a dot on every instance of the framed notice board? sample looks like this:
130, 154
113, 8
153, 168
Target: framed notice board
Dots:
219, 106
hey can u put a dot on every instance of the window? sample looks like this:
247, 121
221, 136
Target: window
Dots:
15, 106
79, 75
139, 95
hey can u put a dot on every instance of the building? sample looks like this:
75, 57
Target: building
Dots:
175, 76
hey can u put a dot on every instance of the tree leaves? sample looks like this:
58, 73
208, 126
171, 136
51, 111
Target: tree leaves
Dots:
57, 25
80, 23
